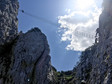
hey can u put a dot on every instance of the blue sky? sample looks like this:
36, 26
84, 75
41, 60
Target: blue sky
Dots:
58, 12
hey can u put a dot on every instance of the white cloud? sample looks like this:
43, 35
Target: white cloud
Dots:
85, 22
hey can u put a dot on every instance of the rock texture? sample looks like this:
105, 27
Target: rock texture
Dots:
26, 60
33, 65
8, 20
24, 57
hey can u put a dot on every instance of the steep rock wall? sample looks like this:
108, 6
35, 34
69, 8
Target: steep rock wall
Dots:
8, 20
24, 57
27, 60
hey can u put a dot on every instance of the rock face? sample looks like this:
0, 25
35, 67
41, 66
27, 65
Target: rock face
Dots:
8, 20
27, 60
24, 57
32, 60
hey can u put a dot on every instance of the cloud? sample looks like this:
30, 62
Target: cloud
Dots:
79, 28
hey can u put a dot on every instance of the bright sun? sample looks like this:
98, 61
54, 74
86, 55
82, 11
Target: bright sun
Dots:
84, 4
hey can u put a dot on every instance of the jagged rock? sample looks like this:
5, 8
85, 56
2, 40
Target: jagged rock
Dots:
32, 60
8, 20
28, 60
24, 58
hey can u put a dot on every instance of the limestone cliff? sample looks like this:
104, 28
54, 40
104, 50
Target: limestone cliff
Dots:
26, 60
8, 20
24, 57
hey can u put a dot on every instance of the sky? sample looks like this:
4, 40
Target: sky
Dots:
68, 24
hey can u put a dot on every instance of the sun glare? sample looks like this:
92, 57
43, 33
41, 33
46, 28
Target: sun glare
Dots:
84, 4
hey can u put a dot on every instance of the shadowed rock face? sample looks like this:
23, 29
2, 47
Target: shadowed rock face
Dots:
24, 58
32, 60
8, 20
27, 60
